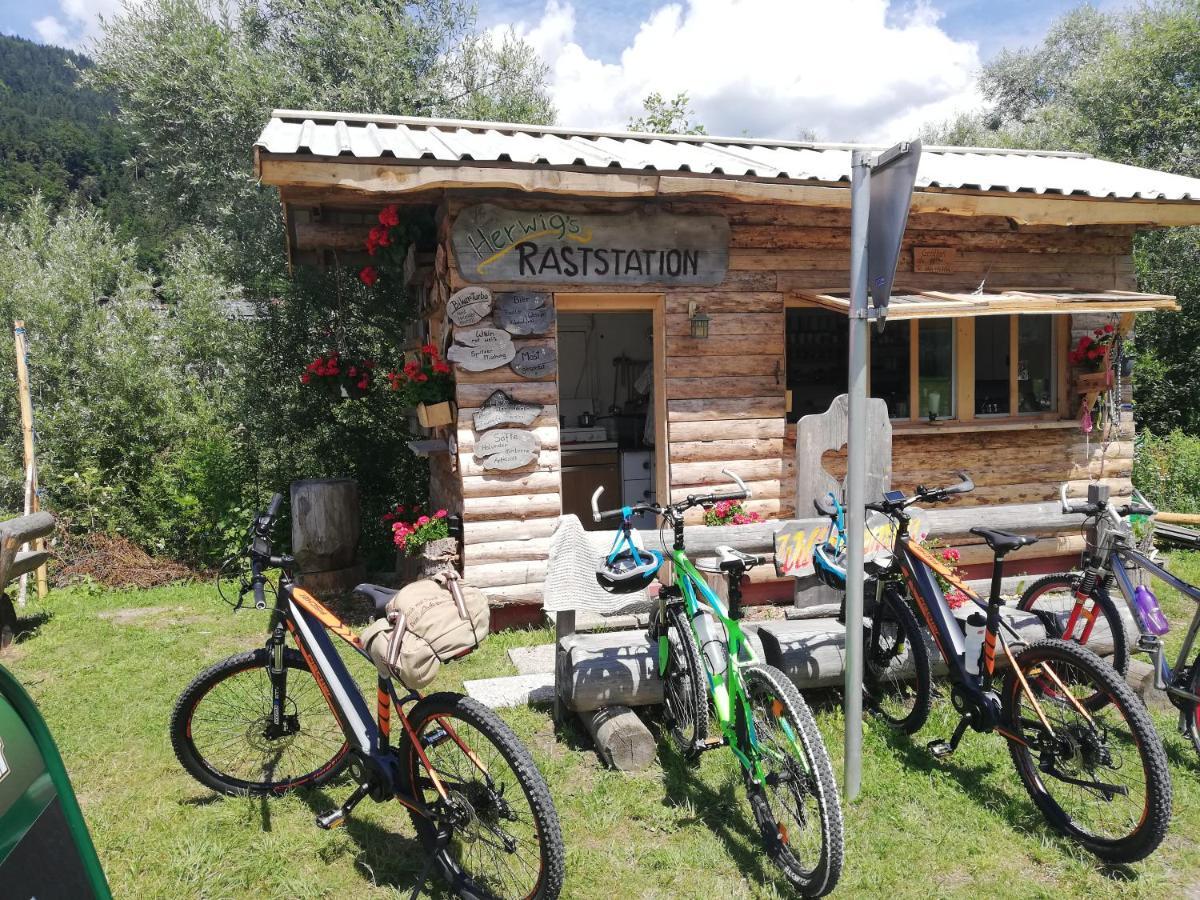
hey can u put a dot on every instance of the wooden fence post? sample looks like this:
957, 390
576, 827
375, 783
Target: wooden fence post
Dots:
26, 402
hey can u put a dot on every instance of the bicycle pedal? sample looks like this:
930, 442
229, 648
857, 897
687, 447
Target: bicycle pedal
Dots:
331, 820
939, 748
711, 743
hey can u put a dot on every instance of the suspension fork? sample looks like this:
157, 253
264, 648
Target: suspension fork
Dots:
277, 673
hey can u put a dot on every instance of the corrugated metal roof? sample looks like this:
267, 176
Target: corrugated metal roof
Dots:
433, 141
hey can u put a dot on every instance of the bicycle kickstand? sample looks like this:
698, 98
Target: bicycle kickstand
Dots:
941, 749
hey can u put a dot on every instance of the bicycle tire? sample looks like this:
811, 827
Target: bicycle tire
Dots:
210, 773
881, 652
773, 698
685, 685
1092, 749
1064, 583
479, 803
1190, 710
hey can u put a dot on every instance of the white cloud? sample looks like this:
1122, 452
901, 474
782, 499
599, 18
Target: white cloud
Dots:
52, 31
77, 21
847, 69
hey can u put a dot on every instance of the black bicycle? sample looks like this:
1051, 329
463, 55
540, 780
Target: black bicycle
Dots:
1097, 772
275, 719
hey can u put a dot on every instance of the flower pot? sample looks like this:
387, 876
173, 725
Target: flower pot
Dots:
430, 559
431, 415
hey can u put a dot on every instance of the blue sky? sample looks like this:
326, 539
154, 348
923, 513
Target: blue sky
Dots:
838, 69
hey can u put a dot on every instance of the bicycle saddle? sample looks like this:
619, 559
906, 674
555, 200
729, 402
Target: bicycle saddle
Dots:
377, 594
1003, 541
825, 506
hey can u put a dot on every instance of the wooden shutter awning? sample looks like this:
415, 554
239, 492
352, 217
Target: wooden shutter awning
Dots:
947, 304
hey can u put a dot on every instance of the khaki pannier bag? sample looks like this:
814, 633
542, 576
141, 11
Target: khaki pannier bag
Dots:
434, 628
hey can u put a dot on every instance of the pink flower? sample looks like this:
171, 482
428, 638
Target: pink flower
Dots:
950, 555
389, 216
440, 514
424, 520
956, 598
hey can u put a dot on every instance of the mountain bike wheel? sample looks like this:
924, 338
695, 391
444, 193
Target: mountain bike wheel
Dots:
896, 671
1099, 778
1049, 597
220, 728
796, 808
496, 833
685, 686
1191, 711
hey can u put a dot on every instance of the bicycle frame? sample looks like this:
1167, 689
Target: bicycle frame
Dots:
726, 688
1164, 674
309, 623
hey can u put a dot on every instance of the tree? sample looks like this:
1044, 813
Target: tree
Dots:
661, 116
1125, 88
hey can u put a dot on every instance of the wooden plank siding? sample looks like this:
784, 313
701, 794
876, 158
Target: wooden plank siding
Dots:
724, 395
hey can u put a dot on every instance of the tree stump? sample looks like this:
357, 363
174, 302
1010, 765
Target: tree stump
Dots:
622, 740
434, 557
325, 530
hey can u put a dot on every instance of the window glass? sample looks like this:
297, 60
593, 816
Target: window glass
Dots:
935, 375
1035, 364
889, 368
817, 356
992, 369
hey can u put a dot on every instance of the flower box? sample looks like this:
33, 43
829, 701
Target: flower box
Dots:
1093, 382
431, 415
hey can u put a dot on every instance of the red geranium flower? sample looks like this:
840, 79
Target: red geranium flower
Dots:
390, 216
369, 275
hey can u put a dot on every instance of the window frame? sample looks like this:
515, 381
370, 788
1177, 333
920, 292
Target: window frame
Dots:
963, 372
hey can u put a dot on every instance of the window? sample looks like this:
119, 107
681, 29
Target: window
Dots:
930, 369
817, 351
890, 368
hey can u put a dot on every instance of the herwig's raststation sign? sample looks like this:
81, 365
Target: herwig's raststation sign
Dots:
498, 245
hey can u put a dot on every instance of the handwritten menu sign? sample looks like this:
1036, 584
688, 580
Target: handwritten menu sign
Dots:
469, 305
507, 460
501, 409
495, 244
506, 439
935, 259
525, 312
480, 349
535, 362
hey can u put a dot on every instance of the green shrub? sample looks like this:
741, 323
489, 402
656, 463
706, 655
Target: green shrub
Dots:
1167, 471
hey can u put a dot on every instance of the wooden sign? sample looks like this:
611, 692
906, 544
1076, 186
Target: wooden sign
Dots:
469, 305
935, 259
507, 460
481, 358
501, 409
549, 246
481, 337
525, 312
505, 439
535, 362
797, 539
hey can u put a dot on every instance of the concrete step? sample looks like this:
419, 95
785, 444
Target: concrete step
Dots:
513, 690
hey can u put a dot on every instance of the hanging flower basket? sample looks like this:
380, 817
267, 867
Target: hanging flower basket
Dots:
431, 415
1093, 382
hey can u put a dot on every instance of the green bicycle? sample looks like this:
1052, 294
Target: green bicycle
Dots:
702, 654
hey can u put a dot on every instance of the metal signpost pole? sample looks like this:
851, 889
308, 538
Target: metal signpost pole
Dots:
856, 465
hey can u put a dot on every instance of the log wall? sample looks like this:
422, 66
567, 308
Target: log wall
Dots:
725, 395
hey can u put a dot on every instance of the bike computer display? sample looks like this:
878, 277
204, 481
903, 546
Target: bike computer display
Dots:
893, 496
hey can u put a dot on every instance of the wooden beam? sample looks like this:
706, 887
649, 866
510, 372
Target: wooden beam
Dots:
388, 177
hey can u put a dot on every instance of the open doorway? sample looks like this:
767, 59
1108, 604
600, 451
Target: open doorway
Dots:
609, 405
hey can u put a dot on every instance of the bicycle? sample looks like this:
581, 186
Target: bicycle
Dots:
897, 674
1117, 556
761, 716
275, 719
1098, 775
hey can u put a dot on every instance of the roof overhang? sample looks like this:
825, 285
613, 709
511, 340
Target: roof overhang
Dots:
946, 304
356, 180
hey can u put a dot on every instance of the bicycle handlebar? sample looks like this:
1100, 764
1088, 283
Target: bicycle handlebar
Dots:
675, 509
924, 495
1138, 507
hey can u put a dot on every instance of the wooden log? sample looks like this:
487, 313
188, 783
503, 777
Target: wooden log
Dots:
506, 574
729, 429
710, 302
14, 534
708, 410
476, 532
517, 508
1173, 518
724, 387
547, 435
721, 450
609, 668
507, 551
747, 364
545, 461
709, 473
472, 396
504, 483
515, 594
622, 740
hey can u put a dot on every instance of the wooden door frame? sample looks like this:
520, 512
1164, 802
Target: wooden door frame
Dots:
656, 305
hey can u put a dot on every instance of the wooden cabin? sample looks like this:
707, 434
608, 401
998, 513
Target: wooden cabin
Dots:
696, 290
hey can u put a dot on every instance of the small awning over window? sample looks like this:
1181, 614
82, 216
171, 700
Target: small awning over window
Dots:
947, 304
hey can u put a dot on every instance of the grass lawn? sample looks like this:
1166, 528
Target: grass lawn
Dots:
106, 668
